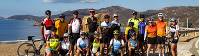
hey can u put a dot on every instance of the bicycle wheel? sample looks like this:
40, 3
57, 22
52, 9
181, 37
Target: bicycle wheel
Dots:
26, 49
167, 49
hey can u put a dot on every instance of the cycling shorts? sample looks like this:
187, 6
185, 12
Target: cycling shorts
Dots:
161, 39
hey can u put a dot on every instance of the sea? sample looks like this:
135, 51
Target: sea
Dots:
18, 30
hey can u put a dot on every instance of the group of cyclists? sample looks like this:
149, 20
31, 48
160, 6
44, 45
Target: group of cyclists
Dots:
90, 37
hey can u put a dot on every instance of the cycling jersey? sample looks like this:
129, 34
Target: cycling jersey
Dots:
115, 22
136, 23
54, 42
106, 24
161, 28
133, 43
96, 46
61, 27
75, 25
48, 23
82, 43
151, 31
127, 30
142, 27
117, 44
173, 28
65, 45
92, 24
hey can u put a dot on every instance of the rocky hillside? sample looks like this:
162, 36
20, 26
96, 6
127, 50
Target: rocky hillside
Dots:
24, 17
1, 17
184, 12
181, 12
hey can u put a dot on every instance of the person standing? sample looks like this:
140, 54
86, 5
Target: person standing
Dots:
161, 33
105, 34
46, 25
142, 25
74, 30
61, 26
174, 33
150, 35
115, 24
92, 25
135, 20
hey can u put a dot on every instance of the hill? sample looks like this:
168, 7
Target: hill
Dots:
181, 12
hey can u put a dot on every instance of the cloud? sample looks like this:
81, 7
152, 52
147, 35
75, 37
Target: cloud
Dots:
69, 1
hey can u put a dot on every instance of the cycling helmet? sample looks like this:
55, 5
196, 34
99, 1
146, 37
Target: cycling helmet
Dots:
82, 33
62, 16
132, 33
134, 13
106, 16
160, 14
142, 16
66, 34
75, 12
91, 10
130, 23
116, 32
48, 12
172, 20
115, 15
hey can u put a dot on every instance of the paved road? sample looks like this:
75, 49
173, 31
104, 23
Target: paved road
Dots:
187, 48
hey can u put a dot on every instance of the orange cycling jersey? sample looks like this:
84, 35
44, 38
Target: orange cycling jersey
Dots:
161, 28
151, 31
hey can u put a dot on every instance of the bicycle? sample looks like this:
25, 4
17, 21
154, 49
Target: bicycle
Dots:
167, 46
31, 50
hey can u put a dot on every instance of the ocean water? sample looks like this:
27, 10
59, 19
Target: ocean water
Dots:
17, 30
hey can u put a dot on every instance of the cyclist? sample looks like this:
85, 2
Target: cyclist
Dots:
135, 20
115, 23
173, 29
96, 44
53, 44
61, 26
92, 23
65, 45
132, 43
128, 30
82, 45
150, 35
161, 33
116, 44
106, 34
142, 25
74, 30
46, 25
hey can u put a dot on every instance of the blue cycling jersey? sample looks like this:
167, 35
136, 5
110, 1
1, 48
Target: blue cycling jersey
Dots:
133, 42
116, 44
142, 27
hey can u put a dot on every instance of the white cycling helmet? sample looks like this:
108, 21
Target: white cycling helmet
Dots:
114, 15
173, 20
66, 34
160, 14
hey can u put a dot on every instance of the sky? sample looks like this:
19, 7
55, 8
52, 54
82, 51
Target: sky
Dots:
37, 7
